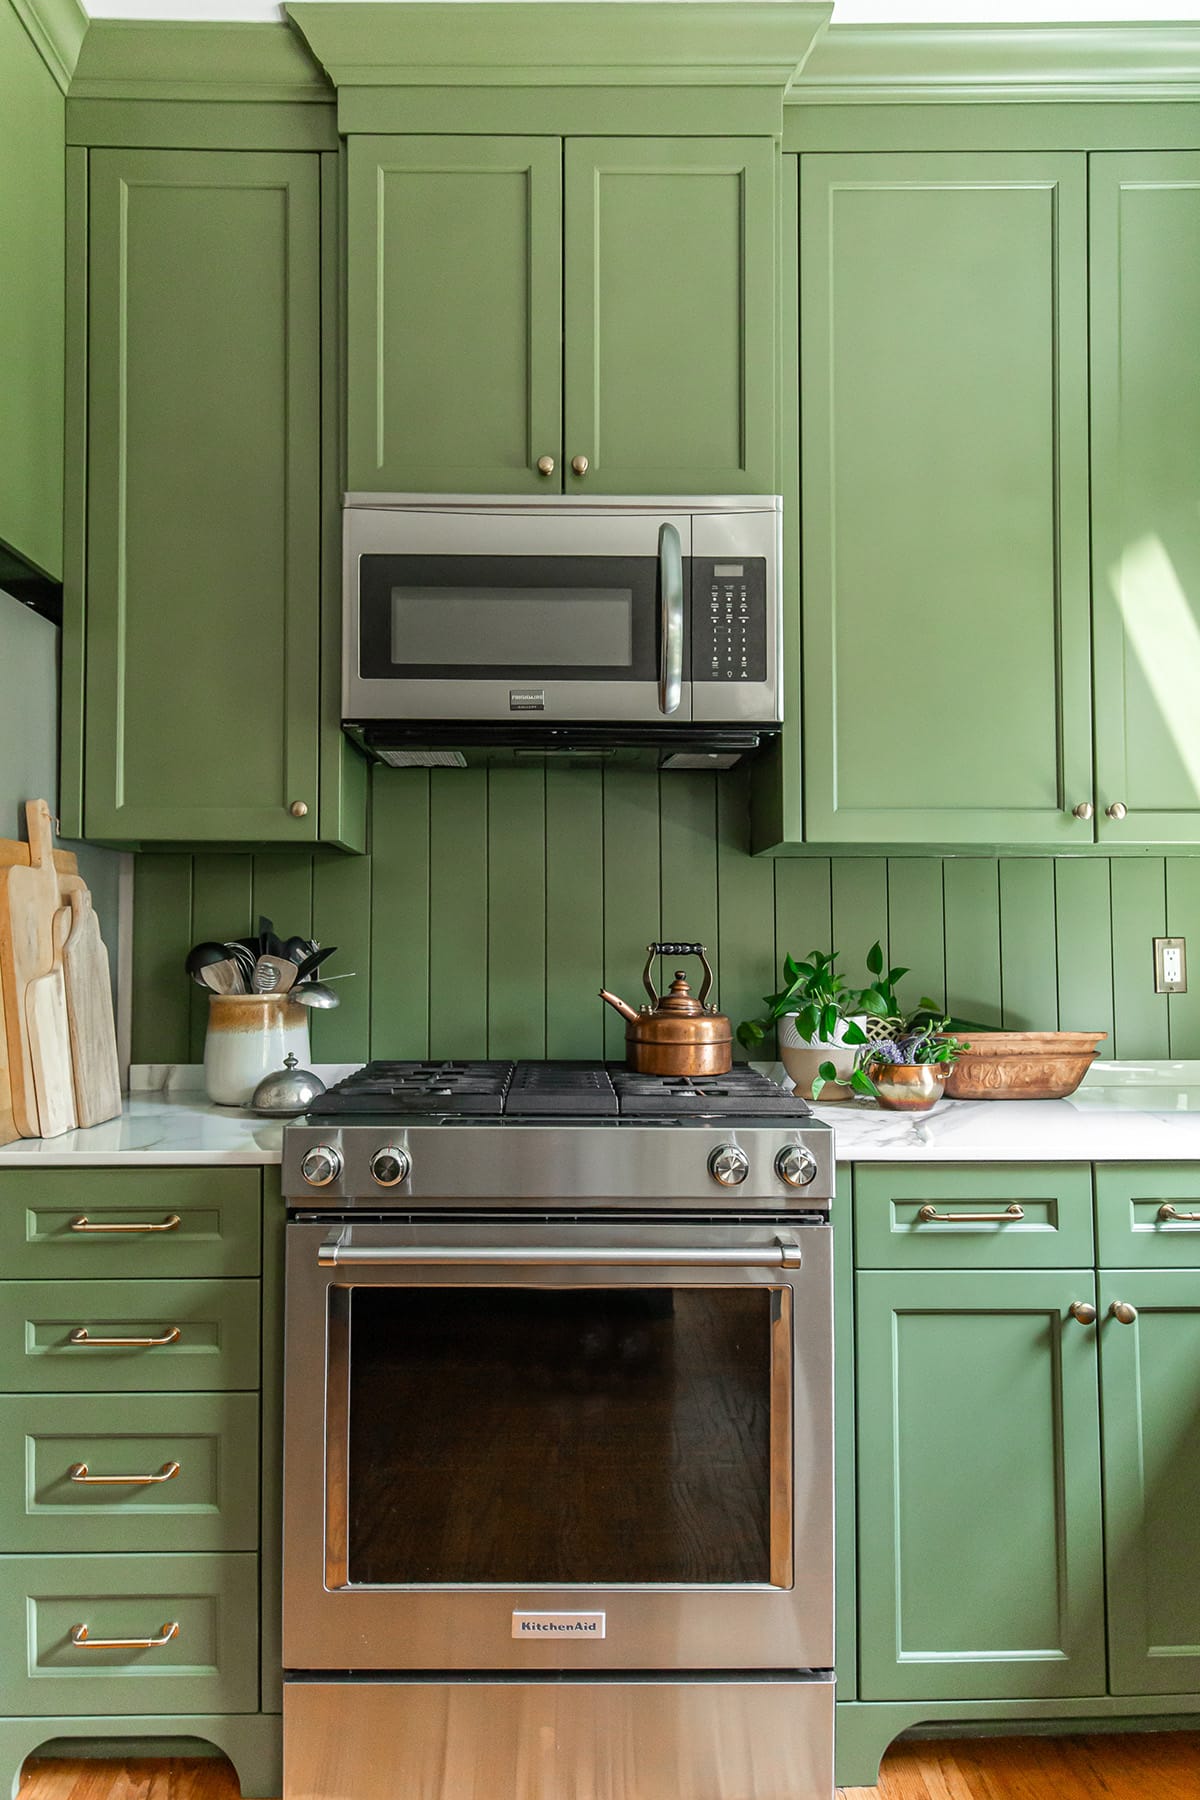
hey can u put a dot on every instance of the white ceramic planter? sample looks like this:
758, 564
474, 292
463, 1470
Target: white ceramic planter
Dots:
249, 1036
802, 1057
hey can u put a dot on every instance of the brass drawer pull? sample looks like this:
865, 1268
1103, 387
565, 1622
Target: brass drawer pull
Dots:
929, 1215
1168, 1215
83, 1223
81, 1335
79, 1475
1083, 1310
1123, 1313
79, 1635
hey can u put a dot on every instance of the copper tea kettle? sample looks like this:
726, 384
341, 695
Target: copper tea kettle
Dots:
677, 1034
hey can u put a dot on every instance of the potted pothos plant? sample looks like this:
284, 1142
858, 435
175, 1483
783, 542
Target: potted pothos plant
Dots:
907, 1056
819, 1021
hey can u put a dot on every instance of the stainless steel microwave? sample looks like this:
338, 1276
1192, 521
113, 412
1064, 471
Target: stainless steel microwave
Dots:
483, 627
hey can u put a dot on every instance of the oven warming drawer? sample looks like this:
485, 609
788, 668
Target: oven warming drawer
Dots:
711, 1738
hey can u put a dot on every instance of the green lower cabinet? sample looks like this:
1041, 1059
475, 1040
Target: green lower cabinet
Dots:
979, 1521
128, 1337
1151, 1412
115, 1634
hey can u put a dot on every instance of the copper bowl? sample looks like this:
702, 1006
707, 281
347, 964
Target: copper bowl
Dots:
1023, 1065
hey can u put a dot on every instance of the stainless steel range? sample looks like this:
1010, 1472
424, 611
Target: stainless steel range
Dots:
558, 1483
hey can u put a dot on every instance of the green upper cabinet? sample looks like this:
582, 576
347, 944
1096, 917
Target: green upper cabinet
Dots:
454, 313
204, 499
943, 483
669, 345
1145, 303
533, 314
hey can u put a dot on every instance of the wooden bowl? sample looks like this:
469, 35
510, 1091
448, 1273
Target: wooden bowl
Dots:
1023, 1065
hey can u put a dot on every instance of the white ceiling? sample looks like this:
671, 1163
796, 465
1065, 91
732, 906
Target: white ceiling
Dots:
846, 12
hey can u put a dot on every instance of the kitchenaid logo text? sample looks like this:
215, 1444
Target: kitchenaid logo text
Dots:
569, 1624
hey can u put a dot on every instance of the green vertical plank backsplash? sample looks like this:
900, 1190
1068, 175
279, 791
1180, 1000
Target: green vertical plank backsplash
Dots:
341, 915
516, 918
916, 926
458, 907
1083, 915
574, 912
1028, 955
162, 908
399, 914
1183, 920
971, 894
494, 905
1139, 915
631, 890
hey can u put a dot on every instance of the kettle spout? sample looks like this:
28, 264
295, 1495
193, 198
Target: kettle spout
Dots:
625, 1011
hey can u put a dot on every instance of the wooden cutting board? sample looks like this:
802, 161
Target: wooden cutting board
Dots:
93, 1032
8, 1125
28, 902
49, 1039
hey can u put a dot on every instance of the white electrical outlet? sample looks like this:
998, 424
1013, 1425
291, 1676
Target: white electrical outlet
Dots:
1170, 965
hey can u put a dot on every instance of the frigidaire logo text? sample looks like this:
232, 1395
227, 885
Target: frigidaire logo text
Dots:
558, 1624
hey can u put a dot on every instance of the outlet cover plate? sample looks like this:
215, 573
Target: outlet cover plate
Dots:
1170, 965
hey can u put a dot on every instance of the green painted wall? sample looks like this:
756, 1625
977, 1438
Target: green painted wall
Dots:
32, 213
494, 904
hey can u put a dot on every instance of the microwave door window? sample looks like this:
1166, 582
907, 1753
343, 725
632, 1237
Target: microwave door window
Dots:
532, 1436
509, 619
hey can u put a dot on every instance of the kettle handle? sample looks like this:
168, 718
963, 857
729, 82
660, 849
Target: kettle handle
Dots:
677, 950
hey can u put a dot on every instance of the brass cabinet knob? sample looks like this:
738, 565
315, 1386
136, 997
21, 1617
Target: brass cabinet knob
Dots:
1084, 810
1116, 811
1083, 1310
579, 464
545, 465
299, 809
1123, 1312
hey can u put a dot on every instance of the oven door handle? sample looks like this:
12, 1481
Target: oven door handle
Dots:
670, 569
335, 1253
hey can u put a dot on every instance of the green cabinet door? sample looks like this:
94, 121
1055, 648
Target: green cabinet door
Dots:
669, 278
979, 1530
1151, 1476
454, 376
204, 499
1145, 302
943, 475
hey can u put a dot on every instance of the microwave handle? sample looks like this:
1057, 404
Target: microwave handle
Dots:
670, 569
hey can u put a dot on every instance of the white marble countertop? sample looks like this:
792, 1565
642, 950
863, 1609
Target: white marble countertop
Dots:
1124, 1112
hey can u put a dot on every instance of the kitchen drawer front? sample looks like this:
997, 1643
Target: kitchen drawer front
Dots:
1133, 1231
59, 1222
216, 1346
1053, 1228
200, 1449
210, 1664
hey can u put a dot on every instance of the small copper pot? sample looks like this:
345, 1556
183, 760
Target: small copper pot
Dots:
679, 1034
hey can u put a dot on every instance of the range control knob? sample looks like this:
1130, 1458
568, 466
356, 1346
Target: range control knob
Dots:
729, 1165
391, 1165
796, 1165
321, 1165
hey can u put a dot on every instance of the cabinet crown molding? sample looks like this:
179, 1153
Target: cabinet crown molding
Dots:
57, 28
614, 43
133, 59
906, 63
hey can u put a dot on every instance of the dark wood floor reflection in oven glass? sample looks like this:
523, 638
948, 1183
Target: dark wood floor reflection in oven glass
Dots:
524, 1435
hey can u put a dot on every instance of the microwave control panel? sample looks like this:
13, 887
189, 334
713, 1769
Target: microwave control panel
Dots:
729, 619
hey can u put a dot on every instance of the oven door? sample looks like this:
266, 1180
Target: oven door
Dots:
547, 1446
532, 616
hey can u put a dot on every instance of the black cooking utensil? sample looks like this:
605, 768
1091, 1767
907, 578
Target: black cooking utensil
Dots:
313, 962
297, 948
268, 943
200, 956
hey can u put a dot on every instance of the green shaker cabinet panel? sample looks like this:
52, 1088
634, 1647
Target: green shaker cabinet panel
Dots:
943, 330
979, 1527
670, 306
1145, 302
204, 496
455, 300
1151, 1474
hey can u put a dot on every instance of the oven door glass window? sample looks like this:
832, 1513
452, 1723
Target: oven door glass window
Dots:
515, 618
518, 1436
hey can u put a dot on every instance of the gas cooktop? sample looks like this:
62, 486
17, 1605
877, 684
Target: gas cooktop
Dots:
554, 1091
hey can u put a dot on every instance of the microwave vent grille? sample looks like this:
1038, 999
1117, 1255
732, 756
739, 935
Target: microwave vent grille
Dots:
423, 759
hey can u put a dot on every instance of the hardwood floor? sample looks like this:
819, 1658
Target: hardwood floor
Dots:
1138, 1766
